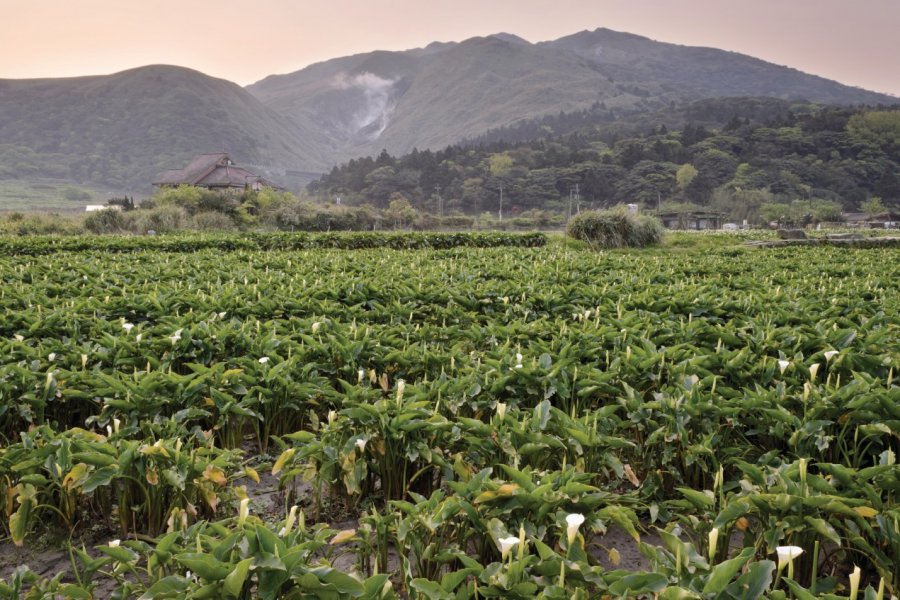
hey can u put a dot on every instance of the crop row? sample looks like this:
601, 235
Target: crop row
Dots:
39, 245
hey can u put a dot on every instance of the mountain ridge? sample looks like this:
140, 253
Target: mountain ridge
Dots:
121, 129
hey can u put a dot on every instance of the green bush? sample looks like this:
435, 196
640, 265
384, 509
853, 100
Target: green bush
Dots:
108, 221
213, 221
616, 228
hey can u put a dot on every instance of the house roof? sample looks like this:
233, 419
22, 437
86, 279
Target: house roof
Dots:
692, 214
211, 170
854, 217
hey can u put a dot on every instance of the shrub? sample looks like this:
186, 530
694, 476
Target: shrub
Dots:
165, 218
108, 221
213, 221
616, 228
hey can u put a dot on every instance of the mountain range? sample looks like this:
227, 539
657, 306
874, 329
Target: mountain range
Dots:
121, 129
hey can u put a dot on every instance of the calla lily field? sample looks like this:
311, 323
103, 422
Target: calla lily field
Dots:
448, 418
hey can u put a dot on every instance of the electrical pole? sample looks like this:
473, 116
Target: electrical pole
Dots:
437, 190
500, 213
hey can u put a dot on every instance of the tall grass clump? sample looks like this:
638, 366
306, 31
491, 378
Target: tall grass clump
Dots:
615, 228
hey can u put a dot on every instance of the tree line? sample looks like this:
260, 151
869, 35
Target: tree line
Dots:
815, 160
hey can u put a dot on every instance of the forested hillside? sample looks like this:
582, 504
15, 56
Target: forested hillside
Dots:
749, 158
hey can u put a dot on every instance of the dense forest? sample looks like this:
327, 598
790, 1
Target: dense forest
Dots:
750, 158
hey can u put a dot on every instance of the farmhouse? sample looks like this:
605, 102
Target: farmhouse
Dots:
885, 220
214, 172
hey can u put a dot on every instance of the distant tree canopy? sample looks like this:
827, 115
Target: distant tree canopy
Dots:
755, 164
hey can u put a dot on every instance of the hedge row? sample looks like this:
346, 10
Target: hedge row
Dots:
39, 245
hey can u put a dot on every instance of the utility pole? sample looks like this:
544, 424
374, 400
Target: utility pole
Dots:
500, 213
577, 200
437, 190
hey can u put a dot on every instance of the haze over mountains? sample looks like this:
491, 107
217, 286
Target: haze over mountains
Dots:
121, 129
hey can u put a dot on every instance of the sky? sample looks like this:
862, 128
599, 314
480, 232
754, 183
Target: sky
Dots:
853, 41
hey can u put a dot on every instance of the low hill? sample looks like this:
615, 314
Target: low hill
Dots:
122, 129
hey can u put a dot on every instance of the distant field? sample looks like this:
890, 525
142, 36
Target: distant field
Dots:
49, 195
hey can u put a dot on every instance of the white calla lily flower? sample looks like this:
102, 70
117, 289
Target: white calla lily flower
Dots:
813, 370
783, 365
713, 543
243, 511
854, 582
507, 544
573, 522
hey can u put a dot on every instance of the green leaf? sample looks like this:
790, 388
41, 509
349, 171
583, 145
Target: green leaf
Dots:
723, 572
698, 498
204, 565
639, 583
754, 583
167, 587
430, 589
234, 582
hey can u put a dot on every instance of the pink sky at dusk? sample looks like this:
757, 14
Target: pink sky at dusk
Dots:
854, 42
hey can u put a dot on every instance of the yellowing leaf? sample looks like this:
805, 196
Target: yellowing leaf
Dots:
215, 474
212, 500
485, 497
251, 473
629, 473
342, 537
152, 476
507, 489
866, 512
75, 477
282, 460
614, 557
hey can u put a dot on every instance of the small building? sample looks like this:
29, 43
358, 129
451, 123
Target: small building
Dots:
98, 207
886, 220
696, 220
214, 172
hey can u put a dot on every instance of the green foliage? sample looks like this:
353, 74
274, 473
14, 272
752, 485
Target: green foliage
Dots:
778, 153
639, 390
877, 127
108, 221
615, 228
873, 206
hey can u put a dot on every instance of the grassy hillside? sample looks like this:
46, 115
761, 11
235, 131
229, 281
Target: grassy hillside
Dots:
122, 129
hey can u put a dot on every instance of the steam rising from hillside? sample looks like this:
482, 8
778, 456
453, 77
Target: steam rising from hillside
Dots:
371, 119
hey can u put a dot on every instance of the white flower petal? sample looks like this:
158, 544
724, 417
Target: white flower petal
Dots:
787, 554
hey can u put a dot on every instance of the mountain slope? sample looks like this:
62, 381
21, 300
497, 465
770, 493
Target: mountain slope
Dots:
703, 72
122, 129
444, 93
